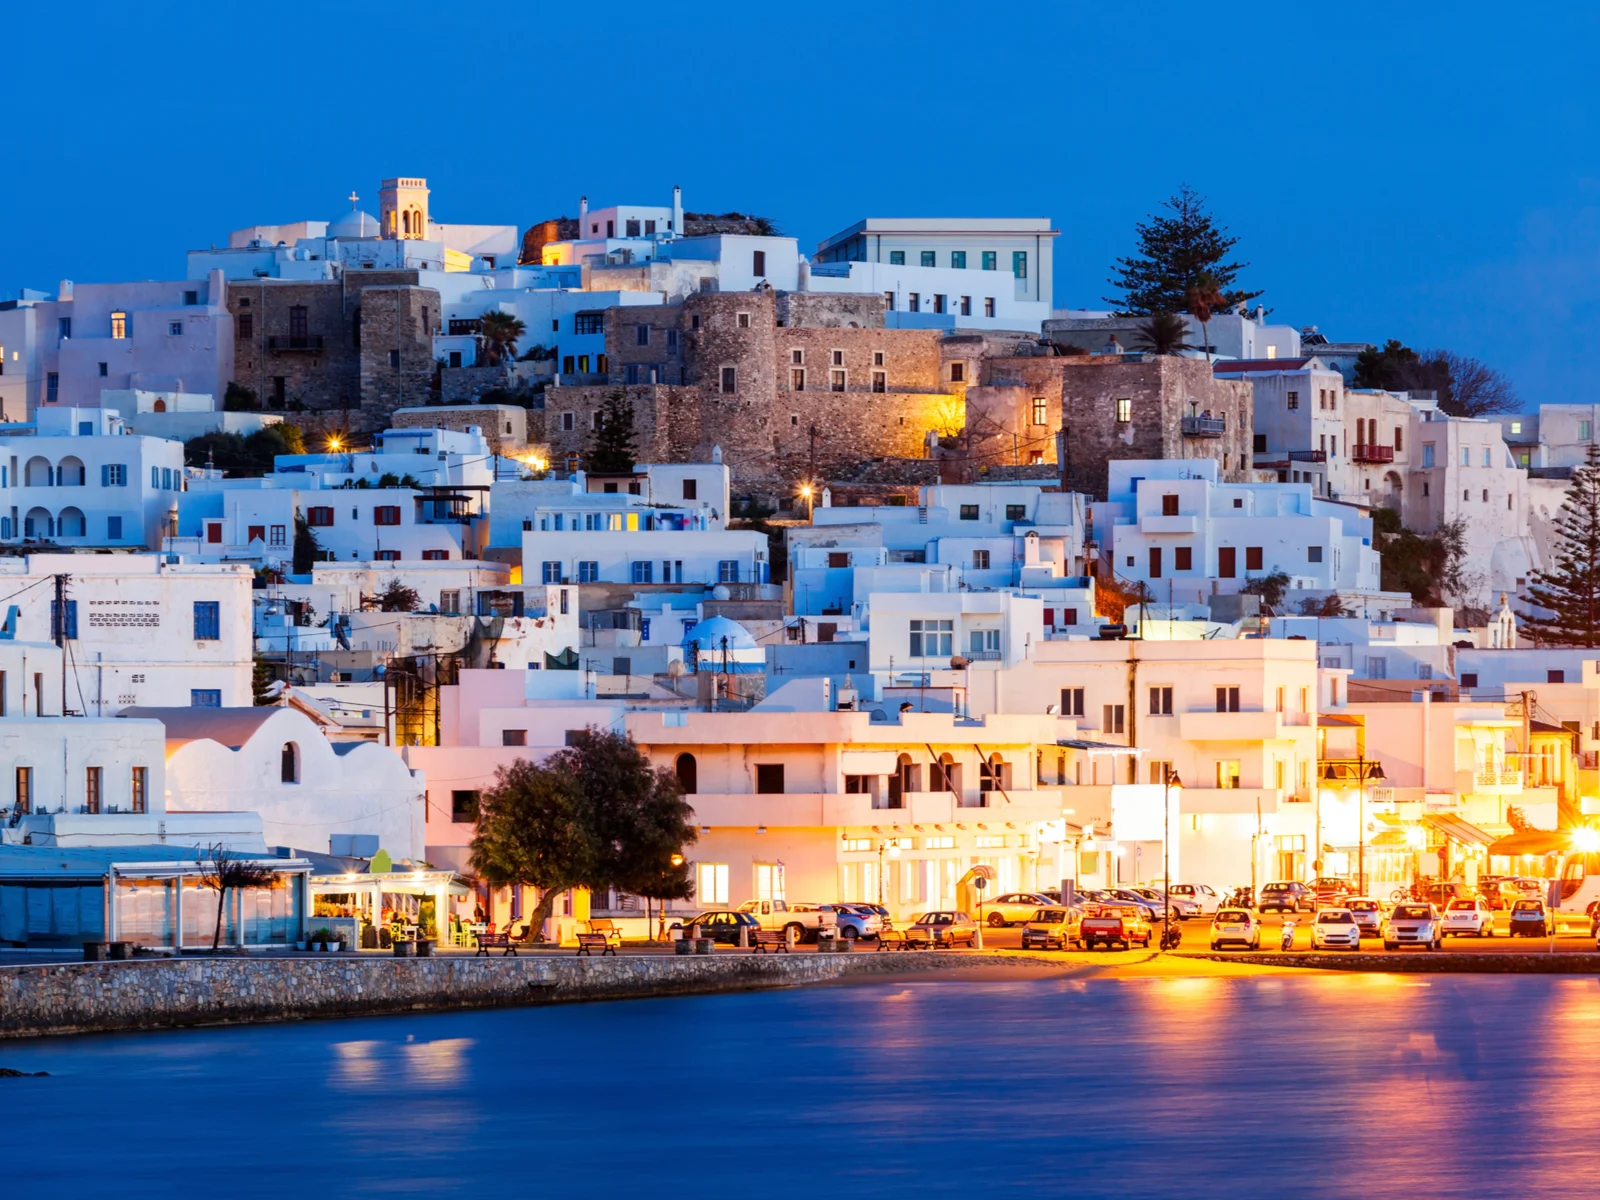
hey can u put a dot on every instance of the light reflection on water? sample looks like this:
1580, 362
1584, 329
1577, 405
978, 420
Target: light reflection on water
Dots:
1325, 1085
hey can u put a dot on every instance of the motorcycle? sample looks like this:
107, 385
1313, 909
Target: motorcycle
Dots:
1288, 934
1171, 936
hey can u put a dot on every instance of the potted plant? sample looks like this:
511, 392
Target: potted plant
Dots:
321, 938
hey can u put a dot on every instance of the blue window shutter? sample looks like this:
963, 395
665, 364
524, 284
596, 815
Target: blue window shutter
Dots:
105, 474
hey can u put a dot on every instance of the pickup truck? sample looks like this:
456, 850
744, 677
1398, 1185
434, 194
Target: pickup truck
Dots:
1111, 925
807, 920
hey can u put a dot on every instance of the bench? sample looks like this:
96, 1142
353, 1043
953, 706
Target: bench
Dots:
892, 939
770, 939
589, 942
607, 929
918, 939
495, 941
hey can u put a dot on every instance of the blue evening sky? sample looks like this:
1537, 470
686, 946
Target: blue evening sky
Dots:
1421, 171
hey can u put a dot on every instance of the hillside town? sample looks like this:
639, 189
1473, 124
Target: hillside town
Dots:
906, 590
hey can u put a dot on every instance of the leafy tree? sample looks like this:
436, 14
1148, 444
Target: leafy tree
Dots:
498, 334
612, 450
307, 549
1425, 566
223, 871
238, 398
1567, 597
594, 814
1466, 386
1396, 368
1269, 587
539, 354
1163, 333
397, 597
1175, 250
239, 455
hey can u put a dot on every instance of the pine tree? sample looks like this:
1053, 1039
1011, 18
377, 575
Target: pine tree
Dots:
1570, 591
612, 449
1175, 253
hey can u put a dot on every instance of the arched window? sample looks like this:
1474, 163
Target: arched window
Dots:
945, 775
37, 473
291, 763
405, 224
37, 524
71, 523
71, 473
992, 774
688, 774
161, 406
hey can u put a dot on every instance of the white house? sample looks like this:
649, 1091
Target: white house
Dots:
78, 477
675, 496
638, 555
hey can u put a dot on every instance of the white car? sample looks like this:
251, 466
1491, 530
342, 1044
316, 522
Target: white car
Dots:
1335, 929
1472, 916
1014, 907
1235, 927
1206, 899
1413, 924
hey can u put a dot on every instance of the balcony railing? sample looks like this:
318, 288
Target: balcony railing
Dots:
303, 341
1512, 779
1366, 453
1319, 456
1205, 427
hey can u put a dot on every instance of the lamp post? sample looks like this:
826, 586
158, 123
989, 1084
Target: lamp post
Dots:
1364, 772
1169, 780
893, 847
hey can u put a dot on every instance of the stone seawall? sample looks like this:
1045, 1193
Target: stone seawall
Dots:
1414, 962
165, 993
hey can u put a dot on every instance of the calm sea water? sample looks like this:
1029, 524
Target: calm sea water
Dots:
1322, 1085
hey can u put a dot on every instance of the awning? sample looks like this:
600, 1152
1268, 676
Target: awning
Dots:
1456, 829
869, 762
1097, 747
1537, 842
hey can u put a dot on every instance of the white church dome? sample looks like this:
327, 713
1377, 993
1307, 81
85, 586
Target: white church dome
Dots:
354, 224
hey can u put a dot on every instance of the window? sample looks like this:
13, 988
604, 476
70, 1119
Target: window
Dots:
769, 779
588, 323
1227, 560
938, 302
730, 380
1555, 676
966, 306
989, 260
1169, 504
120, 325
914, 301
71, 630
513, 737
1041, 411
175, 328
1252, 558
552, 572
1016, 512
1072, 702
386, 514
1019, 264
988, 306
1399, 439
711, 883
207, 621
1227, 699
52, 387
1155, 562
980, 560
114, 475
205, 698
932, 639
1112, 718
1585, 429
463, 807
742, 320
319, 516
880, 381
589, 571
1182, 558
969, 512
92, 789
888, 302
114, 528
1313, 553
1124, 410
836, 381
64, 327
1228, 774
928, 258
1469, 679
958, 259
1161, 701
103, 371
691, 489
641, 335
897, 258
688, 773
1291, 400
1427, 454
394, 360
758, 263
643, 571
958, 372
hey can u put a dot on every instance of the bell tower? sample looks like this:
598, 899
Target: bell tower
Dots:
403, 208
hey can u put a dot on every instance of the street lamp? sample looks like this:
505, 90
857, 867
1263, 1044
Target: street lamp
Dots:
805, 494
1169, 780
893, 847
1416, 840
1364, 772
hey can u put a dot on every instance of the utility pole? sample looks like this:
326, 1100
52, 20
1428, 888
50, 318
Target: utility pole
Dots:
61, 635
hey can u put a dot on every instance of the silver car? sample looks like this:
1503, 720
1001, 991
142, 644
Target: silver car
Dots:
1205, 897
1413, 924
1183, 907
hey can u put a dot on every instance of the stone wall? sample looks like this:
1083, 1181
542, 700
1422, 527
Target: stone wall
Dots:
93, 997
505, 426
397, 364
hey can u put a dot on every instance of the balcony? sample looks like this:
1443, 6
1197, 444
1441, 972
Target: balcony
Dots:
305, 341
1364, 453
1311, 456
1205, 427
1150, 523
1497, 782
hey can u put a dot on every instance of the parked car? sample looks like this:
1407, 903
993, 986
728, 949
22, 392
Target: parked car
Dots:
807, 920
1335, 929
1111, 925
722, 925
1286, 896
1529, 918
1469, 915
1013, 908
1368, 914
884, 914
1235, 927
1413, 923
1051, 927
1182, 906
1440, 892
855, 921
1206, 898
948, 928
1150, 908
1498, 892
1333, 891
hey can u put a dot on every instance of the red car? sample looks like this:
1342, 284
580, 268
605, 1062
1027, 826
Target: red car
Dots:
1114, 925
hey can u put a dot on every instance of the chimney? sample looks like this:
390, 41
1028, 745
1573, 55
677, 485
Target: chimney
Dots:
583, 217
677, 211
65, 290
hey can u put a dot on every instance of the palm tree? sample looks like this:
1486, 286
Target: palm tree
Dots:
1163, 333
497, 336
1205, 294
